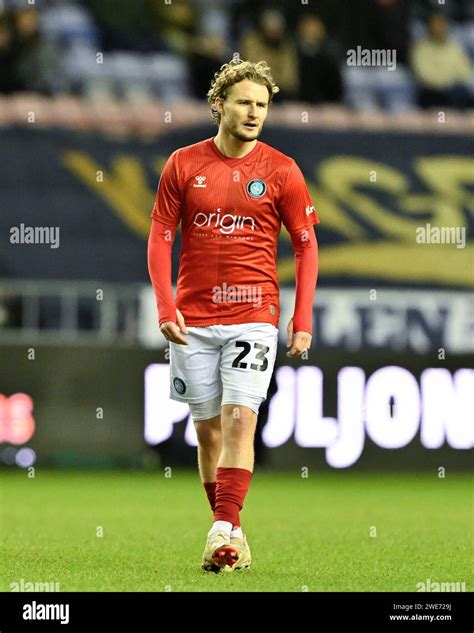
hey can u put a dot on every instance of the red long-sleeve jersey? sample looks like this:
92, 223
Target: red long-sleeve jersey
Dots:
231, 211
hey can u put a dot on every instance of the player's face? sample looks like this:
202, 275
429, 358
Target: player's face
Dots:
244, 110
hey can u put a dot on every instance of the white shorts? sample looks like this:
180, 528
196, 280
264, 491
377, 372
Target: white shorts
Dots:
235, 361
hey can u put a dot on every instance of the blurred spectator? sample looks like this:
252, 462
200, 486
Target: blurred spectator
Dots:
35, 60
269, 43
441, 67
144, 25
211, 47
206, 55
7, 71
319, 74
178, 24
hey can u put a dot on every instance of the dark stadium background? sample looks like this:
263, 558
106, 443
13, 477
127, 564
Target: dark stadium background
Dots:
94, 96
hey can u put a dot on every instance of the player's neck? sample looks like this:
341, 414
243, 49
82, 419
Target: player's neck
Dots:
232, 147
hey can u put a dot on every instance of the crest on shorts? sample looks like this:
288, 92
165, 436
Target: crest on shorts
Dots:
179, 386
256, 188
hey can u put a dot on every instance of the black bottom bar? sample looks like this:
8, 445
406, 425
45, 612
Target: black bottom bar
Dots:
235, 612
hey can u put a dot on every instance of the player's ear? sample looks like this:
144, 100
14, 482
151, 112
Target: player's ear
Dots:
218, 105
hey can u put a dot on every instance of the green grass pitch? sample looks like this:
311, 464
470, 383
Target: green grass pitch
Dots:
314, 534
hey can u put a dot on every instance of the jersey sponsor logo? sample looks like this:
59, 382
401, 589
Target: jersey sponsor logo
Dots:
309, 210
256, 188
179, 386
200, 181
227, 223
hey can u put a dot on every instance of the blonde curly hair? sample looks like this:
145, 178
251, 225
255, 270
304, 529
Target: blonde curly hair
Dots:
233, 72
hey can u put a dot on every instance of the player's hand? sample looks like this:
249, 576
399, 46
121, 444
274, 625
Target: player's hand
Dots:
298, 342
172, 332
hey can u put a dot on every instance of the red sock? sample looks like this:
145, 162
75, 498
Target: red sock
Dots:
210, 487
231, 489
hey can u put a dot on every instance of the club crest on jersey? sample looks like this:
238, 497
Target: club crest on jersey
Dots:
179, 385
256, 188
